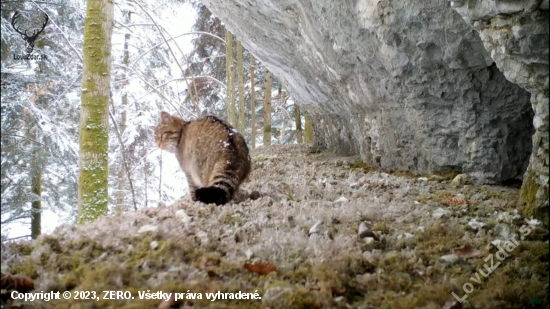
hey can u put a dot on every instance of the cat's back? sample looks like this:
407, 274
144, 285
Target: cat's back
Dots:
210, 140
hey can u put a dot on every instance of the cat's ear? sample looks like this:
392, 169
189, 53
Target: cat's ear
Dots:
165, 118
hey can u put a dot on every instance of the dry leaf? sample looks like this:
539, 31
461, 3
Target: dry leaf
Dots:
19, 283
170, 303
468, 252
455, 200
261, 268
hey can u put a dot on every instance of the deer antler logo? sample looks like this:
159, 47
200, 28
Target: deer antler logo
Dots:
28, 36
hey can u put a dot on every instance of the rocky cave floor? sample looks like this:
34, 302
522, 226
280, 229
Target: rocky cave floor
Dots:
305, 225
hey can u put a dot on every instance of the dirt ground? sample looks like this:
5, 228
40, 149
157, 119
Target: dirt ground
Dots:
309, 230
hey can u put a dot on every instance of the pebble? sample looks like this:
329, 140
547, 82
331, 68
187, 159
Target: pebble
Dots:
148, 228
341, 199
316, 228
476, 225
254, 195
405, 235
249, 254
449, 258
183, 216
365, 232
441, 213
460, 180
502, 231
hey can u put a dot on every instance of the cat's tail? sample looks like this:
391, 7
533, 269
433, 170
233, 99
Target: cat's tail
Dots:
219, 193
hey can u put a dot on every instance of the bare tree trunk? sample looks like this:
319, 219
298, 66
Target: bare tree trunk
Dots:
94, 118
252, 102
230, 78
121, 175
267, 108
283, 106
36, 205
241, 86
298, 119
309, 130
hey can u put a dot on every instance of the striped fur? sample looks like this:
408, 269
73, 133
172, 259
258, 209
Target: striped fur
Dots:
213, 155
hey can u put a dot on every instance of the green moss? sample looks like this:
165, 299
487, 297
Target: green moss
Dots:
404, 174
362, 166
531, 206
267, 129
302, 298
94, 134
93, 183
449, 174
382, 227
27, 269
259, 159
26, 249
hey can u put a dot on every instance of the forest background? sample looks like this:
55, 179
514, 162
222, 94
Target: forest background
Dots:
170, 55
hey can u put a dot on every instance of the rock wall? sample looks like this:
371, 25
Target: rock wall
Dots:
406, 84
516, 33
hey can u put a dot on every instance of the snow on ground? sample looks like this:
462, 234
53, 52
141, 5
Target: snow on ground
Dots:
430, 235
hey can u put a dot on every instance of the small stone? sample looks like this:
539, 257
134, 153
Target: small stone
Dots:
277, 297
249, 254
420, 228
478, 197
441, 213
369, 240
148, 228
354, 185
502, 231
460, 180
316, 228
341, 199
365, 231
524, 272
154, 245
476, 225
422, 179
183, 216
254, 195
533, 222
449, 258
507, 217
203, 236
405, 235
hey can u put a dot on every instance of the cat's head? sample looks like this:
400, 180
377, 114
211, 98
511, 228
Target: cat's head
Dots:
167, 133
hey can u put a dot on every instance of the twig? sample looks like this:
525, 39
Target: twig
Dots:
193, 99
124, 157
62, 33
153, 87
177, 36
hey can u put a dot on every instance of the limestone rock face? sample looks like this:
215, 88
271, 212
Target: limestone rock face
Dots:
408, 85
516, 35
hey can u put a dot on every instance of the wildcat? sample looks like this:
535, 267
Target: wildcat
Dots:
213, 155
